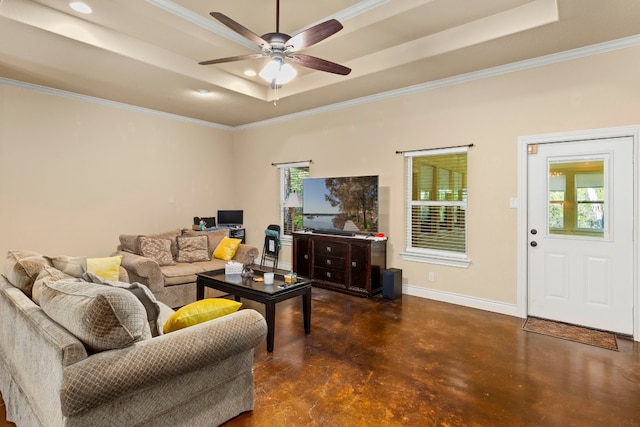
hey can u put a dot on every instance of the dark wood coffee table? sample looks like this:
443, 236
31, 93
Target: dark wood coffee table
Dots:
269, 295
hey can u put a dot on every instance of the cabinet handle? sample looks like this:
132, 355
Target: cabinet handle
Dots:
328, 274
328, 248
354, 264
306, 256
328, 262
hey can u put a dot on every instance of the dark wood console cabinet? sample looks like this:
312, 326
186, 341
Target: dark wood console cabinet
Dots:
352, 265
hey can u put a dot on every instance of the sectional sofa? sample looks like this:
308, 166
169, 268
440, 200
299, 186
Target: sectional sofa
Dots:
170, 272
84, 354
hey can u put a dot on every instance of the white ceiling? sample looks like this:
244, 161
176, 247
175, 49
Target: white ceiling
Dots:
146, 52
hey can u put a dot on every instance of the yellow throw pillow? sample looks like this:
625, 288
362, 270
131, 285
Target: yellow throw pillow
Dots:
200, 311
227, 248
107, 268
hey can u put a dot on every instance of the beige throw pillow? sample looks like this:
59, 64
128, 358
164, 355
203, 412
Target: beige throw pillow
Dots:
48, 274
73, 266
102, 317
158, 250
193, 249
21, 268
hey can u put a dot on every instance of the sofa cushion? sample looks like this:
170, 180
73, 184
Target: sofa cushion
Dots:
73, 266
227, 248
158, 250
214, 236
21, 268
105, 267
199, 312
192, 248
102, 317
48, 274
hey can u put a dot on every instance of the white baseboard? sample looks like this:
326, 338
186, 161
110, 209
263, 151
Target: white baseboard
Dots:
466, 301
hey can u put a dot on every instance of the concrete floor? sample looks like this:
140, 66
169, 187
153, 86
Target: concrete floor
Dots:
417, 362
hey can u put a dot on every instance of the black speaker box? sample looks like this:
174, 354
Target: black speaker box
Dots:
392, 283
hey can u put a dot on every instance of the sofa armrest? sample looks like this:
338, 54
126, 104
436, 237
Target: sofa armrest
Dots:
143, 269
111, 374
245, 250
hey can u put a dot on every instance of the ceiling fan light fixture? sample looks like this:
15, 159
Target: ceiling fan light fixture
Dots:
278, 72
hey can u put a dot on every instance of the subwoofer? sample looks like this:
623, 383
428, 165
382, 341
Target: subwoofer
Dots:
392, 283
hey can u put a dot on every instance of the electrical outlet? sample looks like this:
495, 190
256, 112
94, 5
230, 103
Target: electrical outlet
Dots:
432, 276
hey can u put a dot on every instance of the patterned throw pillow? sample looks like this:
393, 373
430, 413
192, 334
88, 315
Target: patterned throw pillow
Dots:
215, 236
102, 317
142, 292
193, 249
158, 250
131, 242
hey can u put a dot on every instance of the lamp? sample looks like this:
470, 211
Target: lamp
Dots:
292, 202
277, 72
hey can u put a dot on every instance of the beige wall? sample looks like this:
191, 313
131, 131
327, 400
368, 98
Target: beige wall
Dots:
595, 92
74, 174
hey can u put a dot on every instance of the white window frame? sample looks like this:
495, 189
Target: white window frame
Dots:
431, 256
286, 239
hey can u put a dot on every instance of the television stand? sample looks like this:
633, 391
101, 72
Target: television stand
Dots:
350, 265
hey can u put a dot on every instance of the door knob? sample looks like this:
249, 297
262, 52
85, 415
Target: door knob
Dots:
534, 244
534, 231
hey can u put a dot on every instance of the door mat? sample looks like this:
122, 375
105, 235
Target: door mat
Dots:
572, 333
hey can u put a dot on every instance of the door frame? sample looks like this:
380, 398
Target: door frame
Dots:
523, 173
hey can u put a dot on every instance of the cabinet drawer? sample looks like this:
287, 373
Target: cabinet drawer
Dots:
330, 249
328, 275
329, 262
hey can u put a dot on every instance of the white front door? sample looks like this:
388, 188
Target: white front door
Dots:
580, 233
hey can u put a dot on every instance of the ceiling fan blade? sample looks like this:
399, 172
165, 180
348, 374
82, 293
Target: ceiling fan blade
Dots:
315, 34
232, 58
319, 64
244, 32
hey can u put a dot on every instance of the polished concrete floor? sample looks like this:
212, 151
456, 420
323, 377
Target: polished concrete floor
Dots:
417, 362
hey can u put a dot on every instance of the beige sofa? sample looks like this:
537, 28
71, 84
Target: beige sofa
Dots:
175, 283
49, 376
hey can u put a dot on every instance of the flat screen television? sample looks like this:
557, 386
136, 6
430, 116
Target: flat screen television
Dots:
230, 218
341, 205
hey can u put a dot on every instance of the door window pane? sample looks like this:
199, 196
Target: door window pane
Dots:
577, 198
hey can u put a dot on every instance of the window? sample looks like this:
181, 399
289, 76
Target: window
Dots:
437, 206
291, 176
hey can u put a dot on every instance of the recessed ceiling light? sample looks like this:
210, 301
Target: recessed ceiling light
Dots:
80, 7
250, 73
203, 91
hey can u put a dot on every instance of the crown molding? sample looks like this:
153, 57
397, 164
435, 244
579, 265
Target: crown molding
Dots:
569, 55
108, 103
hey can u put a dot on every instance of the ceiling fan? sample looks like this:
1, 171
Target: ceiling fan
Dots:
280, 47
